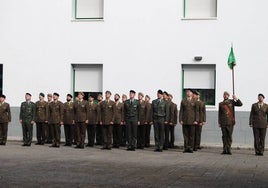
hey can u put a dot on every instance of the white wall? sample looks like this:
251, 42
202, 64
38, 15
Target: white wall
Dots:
141, 45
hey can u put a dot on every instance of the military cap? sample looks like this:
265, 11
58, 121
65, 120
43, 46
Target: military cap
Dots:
108, 92
196, 92
140, 93
132, 91
49, 95
226, 93
2, 96
81, 93
261, 95
28, 94
99, 95
117, 95
69, 95
160, 92
42, 94
56, 94
166, 93
148, 96
90, 95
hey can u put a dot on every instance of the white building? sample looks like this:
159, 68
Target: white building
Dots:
96, 45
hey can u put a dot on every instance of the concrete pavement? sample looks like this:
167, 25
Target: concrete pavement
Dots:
41, 166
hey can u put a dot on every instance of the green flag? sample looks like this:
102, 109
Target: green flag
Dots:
231, 59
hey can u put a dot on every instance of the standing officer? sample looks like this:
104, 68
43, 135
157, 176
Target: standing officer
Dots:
118, 121
202, 119
99, 138
173, 121
5, 117
68, 120
107, 112
226, 120
41, 119
258, 120
144, 114
188, 118
49, 128
93, 112
81, 119
56, 119
166, 142
149, 122
131, 110
124, 127
27, 117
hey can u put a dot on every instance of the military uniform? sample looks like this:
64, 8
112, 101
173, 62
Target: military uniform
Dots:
259, 120
41, 120
93, 113
68, 121
99, 137
166, 128
5, 117
27, 117
56, 118
118, 121
160, 115
49, 128
188, 115
226, 120
131, 110
172, 123
198, 128
107, 116
148, 125
144, 113
80, 114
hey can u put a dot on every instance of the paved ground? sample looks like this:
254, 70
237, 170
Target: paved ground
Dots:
41, 166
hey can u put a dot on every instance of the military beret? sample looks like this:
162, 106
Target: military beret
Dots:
261, 95
140, 93
56, 94
2, 96
28, 94
42, 94
108, 92
69, 95
166, 93
160, 92
132, 91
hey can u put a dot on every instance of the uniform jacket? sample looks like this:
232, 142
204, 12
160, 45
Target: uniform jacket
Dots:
160, 109
258, 116
81, 111
5, 115
119, 113
202, 111
188, 112
132, 111
56, 112
41, 111
107, 112
149, 118
226, 114
68, 113
27, 111
173, 113
144, 112
93, 113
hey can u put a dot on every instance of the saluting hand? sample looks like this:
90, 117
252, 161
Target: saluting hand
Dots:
235, 97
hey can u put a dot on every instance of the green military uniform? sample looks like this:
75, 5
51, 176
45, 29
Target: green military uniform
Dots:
259, 121
143, 119
41, 120
117, 127
68, 121
107, 112
56, 118
160, 115
198, 128
188, 115
148, 125
226, 120
5, 117
99, 137
49, 128
131, 110
80, 114
27, 117
93, 113
172, 123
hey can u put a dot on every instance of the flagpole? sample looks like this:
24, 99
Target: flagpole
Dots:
233, 80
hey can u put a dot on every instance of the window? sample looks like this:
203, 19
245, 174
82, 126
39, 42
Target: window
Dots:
201, 78
200, 9
88, 9
1, 78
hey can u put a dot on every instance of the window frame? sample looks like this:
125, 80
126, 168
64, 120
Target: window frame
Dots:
75, 18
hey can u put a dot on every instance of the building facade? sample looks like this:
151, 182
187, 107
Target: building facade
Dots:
67, 46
